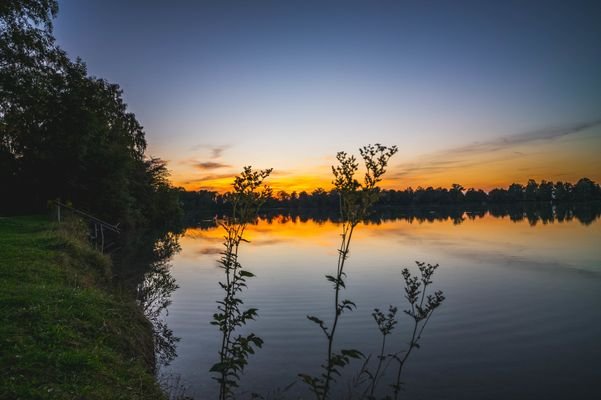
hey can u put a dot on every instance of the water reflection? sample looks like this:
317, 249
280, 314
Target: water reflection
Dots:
154, 296
513, 278
144, 266
534, 213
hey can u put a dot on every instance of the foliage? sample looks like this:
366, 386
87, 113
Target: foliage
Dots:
248, 196
421, 307
356, 200
584, 190
386, 324
64, 134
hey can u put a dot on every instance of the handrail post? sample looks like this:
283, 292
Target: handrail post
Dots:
96, 236
94, 224
102, 238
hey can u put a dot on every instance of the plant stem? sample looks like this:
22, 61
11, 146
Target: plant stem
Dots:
412, 344
374, 382
347, 233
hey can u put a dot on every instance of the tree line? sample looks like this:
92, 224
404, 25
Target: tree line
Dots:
545, 191
67, 135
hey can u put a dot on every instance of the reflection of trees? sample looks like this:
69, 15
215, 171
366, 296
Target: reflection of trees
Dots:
532, 212
143, 266
154, 296
546, 213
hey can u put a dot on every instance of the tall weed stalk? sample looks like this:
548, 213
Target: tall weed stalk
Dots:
356, 200
248, 196
421, 307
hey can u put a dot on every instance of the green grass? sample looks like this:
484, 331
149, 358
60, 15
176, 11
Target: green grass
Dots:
63, 333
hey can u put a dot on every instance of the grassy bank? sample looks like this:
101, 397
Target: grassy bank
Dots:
63, 333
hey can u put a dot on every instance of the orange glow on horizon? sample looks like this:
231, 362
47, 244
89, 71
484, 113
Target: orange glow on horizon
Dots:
308, 184
565, 159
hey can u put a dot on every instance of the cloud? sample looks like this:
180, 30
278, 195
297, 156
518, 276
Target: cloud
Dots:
280, 172
216, 151
547, 134
209, 177
209, 165
496, 150
440, 166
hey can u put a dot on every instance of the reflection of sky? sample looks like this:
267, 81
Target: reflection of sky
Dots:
546, 244
219, 85
512, 290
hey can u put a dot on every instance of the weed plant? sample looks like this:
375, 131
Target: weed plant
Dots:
246, 199
356, 200
421, 307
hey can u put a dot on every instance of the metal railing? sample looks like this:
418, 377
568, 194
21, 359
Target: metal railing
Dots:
97, 226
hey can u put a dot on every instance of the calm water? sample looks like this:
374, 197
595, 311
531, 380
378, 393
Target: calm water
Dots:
522, 317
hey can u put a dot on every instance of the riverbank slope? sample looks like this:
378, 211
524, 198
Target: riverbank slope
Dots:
64, 333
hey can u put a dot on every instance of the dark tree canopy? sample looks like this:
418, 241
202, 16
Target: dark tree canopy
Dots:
67, 135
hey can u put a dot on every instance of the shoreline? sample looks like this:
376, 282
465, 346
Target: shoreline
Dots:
65, 332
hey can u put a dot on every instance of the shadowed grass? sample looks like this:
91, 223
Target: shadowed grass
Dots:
63, 334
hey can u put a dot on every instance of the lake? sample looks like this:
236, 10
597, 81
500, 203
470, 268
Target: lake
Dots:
521, 319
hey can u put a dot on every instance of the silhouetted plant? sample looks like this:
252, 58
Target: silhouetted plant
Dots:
246, 199
386, 323
422, 306
355, 200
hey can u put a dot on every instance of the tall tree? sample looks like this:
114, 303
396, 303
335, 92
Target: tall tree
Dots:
64, 134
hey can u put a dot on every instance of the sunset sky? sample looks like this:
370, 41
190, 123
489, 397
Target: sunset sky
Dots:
478, 93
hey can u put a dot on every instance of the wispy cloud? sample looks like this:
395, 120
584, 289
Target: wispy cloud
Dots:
546, 134
215, 151
501, 149
209, 177
210, 165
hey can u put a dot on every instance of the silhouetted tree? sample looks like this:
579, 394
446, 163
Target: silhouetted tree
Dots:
530, 190
515, 192
456, 193
64, 134
585, 189
545, 191
475, 196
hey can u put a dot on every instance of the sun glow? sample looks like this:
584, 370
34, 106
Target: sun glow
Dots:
483, 166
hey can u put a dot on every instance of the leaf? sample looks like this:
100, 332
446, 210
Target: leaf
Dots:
352, 353
347, 305
218, 367
336, 281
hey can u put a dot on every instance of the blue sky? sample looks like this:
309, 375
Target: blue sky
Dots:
286, 84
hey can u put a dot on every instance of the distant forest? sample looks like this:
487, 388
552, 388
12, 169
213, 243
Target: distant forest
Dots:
582, 191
